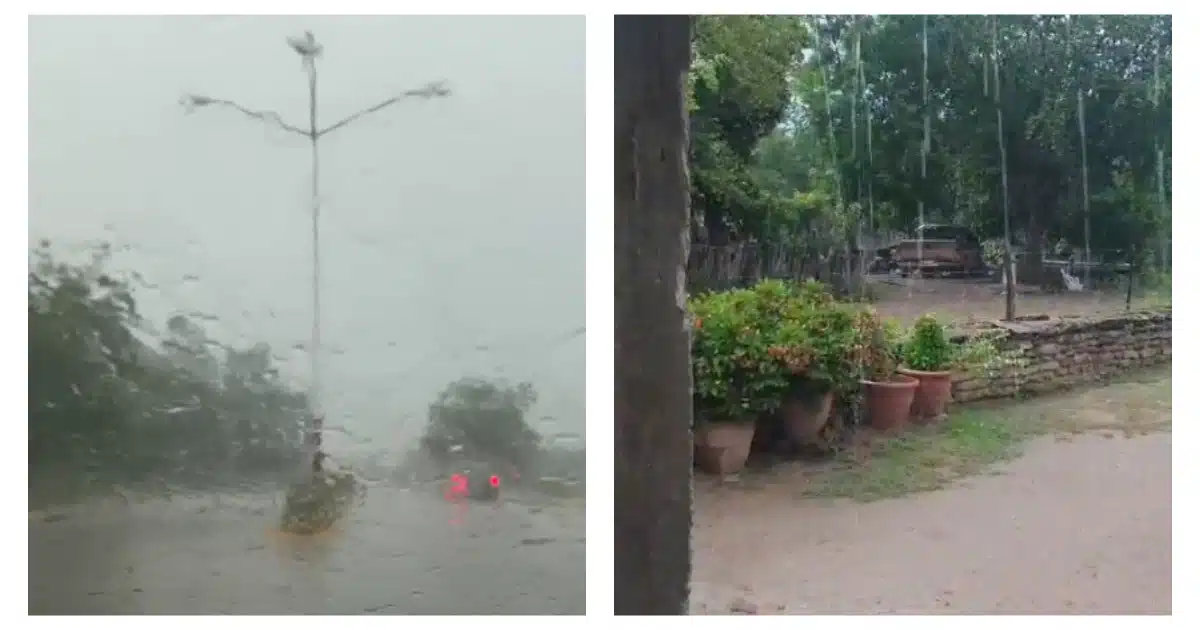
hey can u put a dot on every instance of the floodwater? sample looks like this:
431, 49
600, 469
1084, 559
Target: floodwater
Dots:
401, 552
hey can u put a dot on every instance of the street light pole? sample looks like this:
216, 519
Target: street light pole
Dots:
309, 50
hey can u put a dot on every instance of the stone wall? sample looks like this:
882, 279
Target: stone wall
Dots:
1043, 354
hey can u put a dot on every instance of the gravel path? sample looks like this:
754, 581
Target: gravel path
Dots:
1073, 527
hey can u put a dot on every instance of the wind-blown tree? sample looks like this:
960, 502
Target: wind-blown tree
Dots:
108, 405
483, 420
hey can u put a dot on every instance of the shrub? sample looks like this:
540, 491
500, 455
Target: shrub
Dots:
986, 354
752, 346
877, 347
927, 348
817, 347
734, 375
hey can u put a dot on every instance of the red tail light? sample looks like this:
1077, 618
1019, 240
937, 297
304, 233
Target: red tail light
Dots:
458, 485
494, 480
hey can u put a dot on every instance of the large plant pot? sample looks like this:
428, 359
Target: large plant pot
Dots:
722, 446
805, 416
889, 403
933, 394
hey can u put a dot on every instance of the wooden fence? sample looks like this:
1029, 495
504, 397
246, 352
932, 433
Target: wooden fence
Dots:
716, 268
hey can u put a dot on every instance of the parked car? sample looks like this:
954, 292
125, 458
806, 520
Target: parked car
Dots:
935, 250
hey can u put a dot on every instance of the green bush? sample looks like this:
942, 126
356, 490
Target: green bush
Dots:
927, 348
751, 347
734, 376
878, 346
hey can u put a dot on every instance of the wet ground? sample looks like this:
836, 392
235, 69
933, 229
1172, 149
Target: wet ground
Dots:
402, 552
1073, 527
961, 300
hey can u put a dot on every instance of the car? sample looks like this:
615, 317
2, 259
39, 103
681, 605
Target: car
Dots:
936, 250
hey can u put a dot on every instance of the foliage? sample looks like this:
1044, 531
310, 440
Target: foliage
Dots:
877, 346
993, 252
320, 501
813, 140
106, 406
927, 348
735, 378
1157, 288
750, 347
986, 353
738, 94
817, 346
480, 420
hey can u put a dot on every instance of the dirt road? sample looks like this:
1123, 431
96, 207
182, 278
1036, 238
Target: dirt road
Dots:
1079, 526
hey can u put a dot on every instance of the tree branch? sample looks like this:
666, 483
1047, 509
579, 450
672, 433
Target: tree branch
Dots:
192, 101
429, 91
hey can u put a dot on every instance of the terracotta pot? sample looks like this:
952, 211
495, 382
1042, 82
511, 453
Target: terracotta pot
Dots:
933, 394
889, 402
722, 446
805, 416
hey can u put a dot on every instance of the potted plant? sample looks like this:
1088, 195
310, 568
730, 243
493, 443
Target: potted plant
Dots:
816, 346
887, 395
929, 357
932, 357
735, 377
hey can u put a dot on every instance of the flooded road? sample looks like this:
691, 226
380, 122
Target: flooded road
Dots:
403, 552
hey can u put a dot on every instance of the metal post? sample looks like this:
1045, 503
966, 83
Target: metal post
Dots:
309, 50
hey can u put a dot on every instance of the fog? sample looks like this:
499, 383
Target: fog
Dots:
453, 229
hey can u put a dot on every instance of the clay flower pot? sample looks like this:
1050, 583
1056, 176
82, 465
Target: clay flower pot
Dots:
933, 394
889, 402
722, 446
805, 416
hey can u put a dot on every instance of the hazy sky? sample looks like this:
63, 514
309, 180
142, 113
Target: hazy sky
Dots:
449, 225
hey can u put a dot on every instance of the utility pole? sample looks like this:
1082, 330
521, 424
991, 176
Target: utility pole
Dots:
309, 50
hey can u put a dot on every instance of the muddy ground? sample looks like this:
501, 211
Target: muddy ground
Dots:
963, 300
1080, 524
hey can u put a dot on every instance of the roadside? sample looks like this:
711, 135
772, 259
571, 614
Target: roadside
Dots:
1079, 524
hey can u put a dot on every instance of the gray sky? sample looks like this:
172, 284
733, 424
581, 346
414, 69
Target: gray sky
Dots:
449, 225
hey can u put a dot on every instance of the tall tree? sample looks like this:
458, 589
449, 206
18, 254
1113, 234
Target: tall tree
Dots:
653, 468
738, 93
1089, 91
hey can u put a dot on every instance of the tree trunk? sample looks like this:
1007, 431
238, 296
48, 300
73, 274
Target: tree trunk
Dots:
653, 468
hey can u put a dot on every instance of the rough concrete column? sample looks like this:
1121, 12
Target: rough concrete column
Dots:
653, 473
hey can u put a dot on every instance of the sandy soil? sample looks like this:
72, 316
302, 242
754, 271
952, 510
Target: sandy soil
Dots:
1081, 526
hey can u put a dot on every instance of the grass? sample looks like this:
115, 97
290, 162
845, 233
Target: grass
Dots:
974, 440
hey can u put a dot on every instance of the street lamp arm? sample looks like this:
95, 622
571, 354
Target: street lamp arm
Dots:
263, 115
432, 90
